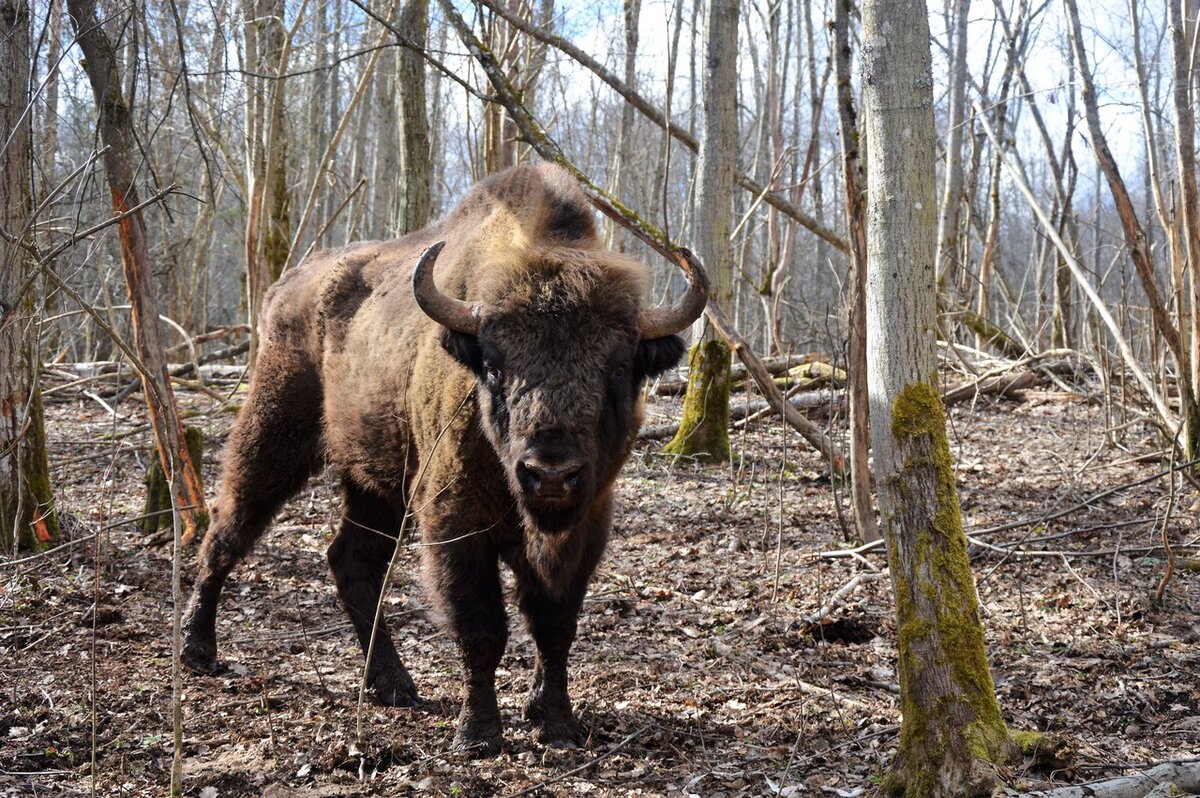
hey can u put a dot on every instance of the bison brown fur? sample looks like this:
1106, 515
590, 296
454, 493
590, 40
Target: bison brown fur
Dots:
499, 428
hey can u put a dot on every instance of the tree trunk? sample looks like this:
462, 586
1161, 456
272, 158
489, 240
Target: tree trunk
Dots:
952, 734
856, 345
268, 216
116, 131
704, 430
632, 10
947, 252
1185, 159
27, 517
415, 165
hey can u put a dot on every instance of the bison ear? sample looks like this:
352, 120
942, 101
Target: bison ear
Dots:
657, 355
463, 348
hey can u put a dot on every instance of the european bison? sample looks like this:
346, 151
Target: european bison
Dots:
494, 404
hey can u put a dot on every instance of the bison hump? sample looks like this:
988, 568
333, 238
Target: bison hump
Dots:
342, 292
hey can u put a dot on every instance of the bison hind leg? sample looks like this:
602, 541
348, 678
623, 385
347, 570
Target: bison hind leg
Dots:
270, 455
358, 558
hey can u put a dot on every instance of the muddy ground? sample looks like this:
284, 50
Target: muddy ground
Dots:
698, 669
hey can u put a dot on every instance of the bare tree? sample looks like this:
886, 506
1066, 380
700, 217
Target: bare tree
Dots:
27, 517
952, 734
116, 131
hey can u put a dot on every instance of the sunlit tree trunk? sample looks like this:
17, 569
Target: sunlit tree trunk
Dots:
704, 429
27, 517
952, 734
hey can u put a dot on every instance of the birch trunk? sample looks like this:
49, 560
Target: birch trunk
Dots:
27, 518
704, 429
952, 734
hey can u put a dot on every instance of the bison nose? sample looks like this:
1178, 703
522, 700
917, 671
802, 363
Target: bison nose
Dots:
549, 481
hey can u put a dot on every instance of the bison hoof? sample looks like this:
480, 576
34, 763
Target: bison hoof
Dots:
478, 738
200, 655
560, 734
478, 745
557, 727
395, 689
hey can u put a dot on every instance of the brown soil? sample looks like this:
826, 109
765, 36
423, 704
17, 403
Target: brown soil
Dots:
697, 671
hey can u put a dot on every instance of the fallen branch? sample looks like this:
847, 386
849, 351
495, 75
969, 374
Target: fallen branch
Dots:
746, 412
1170, 778
841, 595
1004, 385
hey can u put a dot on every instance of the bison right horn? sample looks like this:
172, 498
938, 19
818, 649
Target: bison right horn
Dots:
660, 322
457, 315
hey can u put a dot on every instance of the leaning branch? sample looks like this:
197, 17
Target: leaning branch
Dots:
1077, 272
533, 133
651, 112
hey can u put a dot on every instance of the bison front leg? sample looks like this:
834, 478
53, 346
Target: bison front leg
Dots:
466, 585
358, 558
552, 623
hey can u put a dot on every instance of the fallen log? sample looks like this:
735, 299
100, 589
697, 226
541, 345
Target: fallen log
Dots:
1169, 778
805, 374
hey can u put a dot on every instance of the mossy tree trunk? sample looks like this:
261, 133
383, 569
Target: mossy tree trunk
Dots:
27, 518
952, 735
704, 429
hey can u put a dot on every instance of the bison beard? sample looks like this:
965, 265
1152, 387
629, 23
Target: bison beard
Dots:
494, 404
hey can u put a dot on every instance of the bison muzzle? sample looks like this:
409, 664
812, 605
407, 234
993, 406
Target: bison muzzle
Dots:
481, 378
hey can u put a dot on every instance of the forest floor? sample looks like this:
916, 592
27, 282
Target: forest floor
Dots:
698, 669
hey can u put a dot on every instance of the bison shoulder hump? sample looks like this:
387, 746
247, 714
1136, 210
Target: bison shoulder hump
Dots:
341, 294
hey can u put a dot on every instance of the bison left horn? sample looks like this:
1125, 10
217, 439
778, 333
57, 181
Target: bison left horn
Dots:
447, 311
659, 322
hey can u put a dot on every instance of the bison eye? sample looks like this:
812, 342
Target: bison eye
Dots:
619, 372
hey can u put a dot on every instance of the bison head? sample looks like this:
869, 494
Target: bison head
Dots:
559, 346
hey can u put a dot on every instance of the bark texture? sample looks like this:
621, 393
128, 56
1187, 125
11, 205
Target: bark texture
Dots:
416, 164
705, 435
952, 734
27, 518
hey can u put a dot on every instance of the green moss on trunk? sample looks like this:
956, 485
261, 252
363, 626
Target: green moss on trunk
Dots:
38, 526
950, 742
157, 513
704, 429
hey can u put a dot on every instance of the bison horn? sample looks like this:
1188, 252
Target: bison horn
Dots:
659, 322
447, 311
